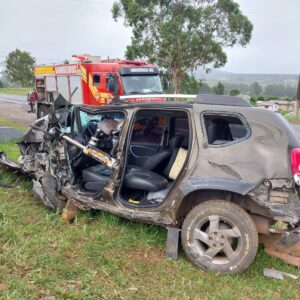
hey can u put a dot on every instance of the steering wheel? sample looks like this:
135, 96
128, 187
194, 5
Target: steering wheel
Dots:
92, 126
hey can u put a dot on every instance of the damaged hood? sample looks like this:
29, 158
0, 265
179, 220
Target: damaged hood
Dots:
36, 136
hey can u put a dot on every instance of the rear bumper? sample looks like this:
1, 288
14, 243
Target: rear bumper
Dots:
288, 212
290, 215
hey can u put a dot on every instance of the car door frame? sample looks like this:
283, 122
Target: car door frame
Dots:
163, 208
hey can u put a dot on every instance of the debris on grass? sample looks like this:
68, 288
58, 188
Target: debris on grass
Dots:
11, 186
276, 274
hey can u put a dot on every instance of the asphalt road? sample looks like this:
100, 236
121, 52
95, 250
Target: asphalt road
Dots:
13, 99
15, 108
297, 128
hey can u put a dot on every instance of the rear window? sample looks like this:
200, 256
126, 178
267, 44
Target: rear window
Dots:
223, 129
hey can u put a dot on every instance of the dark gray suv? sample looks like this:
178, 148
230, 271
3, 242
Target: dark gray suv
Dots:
215, 168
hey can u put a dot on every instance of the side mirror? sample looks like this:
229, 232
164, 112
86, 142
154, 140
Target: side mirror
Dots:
112, 85
165, 84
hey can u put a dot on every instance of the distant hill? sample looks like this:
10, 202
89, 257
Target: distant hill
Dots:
263, 79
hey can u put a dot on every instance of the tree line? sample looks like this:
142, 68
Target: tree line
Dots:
190, 85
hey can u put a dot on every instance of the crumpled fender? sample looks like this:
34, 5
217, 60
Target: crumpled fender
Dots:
4, 160
36, 136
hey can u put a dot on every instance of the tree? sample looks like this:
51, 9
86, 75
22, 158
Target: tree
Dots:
180, 35
205, 88
255, 89
253, 101
1, 84
219, 89
290, 91
19, 68
189, 85
234, 92
274, 90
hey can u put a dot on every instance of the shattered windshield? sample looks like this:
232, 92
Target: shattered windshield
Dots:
86, 118
141, 84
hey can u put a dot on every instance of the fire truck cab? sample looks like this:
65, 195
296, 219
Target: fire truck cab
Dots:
92, 81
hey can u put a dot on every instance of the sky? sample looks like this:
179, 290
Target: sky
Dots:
53, 30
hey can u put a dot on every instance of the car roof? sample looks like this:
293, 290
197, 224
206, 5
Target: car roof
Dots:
208, 100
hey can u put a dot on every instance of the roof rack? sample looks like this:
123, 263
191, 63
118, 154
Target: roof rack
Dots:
221, 100
196, 99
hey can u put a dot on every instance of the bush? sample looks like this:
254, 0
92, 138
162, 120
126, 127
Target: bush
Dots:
234, 92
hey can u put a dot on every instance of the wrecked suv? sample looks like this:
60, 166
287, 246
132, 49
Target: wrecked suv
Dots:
215, 168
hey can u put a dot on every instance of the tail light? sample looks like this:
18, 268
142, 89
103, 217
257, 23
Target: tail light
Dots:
295, 164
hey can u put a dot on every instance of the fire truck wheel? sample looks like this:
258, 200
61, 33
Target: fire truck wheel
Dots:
42, 111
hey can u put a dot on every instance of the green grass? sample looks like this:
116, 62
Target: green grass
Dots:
15, 91
101, 256
293, 119
5, 122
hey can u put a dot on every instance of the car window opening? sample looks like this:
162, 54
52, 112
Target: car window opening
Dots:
96, 79
156, 154
224, 129
92, 175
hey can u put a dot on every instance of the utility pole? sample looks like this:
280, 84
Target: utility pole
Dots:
297, 103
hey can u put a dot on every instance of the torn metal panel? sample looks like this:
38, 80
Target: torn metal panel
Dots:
4, 160
285, 246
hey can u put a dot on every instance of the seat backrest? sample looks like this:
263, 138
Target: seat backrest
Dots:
160, 159
218, 132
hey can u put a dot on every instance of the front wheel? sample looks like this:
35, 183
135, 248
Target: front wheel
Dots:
220, 236
42, 111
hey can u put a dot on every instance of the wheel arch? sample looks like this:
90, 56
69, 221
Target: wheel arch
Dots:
196, 192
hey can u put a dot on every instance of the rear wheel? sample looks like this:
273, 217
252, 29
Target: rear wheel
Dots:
220, 236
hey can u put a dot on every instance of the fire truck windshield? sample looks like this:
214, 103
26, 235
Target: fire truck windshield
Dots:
141, 84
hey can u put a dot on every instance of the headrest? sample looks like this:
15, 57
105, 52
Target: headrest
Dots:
175, 141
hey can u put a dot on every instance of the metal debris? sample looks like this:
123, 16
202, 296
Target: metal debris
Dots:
276, 274
11, 186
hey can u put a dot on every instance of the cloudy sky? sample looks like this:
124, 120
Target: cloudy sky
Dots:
53, 30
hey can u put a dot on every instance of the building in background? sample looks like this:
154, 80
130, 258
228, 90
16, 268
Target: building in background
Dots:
278, 105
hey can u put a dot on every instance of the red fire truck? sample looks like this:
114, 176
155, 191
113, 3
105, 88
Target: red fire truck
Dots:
90, 80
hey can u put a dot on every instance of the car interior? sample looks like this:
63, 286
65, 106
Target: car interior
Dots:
156, 154
91, 175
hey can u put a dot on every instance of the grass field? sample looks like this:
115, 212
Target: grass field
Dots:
15, 91
101, 256
293, 119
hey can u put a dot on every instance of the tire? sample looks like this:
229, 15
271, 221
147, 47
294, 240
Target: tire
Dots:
51, 198
220, 236
42, 111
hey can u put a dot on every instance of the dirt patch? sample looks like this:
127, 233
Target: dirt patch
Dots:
17, 113
153, 255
